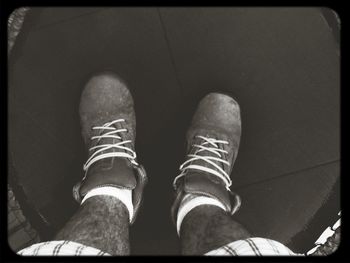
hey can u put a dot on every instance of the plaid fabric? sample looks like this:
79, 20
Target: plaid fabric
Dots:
61, 248
255, 246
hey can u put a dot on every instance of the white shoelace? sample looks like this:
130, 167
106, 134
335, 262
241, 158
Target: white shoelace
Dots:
110, 132
206, 146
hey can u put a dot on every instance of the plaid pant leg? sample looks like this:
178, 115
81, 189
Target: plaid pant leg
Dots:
61, 248
254, 246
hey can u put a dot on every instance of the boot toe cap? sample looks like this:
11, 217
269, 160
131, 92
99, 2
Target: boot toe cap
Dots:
220, 110
105, 90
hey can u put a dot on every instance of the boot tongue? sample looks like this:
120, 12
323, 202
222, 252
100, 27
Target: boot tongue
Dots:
107, 162
200, 141
201, 182
112, 171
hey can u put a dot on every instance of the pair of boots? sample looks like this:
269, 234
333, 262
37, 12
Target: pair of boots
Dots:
109, 129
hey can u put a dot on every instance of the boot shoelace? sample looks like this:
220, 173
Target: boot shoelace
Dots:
110, 131
209, 145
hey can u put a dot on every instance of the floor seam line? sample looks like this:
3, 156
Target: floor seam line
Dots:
172, 59
38, 28
286, 174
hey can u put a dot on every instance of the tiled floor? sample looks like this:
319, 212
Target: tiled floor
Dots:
282, 65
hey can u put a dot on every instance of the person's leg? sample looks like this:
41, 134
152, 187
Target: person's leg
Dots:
208, 227
110, 192
102, 222
204, 204
108, 128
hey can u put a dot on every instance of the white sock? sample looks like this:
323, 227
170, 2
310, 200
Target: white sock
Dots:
124, 195
189, 202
